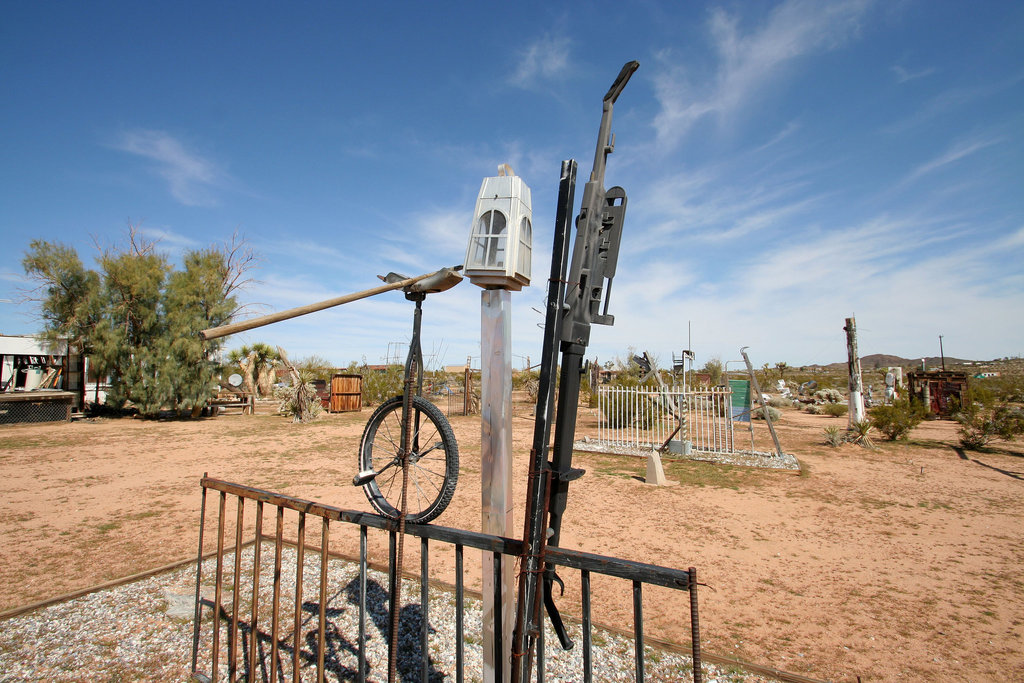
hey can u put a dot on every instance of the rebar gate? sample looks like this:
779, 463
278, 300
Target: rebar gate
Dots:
242, 648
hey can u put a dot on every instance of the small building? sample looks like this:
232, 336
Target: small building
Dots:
40, 380
941, 392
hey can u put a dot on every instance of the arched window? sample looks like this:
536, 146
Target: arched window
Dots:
525, 260
489, 238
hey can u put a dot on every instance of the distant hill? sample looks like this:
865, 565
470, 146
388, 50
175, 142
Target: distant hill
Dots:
884, 360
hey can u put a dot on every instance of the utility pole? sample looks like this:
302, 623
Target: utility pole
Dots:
942, 354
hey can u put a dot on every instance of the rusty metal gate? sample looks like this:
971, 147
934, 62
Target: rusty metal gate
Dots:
261, 628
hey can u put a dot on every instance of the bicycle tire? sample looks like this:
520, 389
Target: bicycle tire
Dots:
433, 466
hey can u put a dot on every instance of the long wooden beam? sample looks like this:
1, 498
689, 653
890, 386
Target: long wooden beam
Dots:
263, 320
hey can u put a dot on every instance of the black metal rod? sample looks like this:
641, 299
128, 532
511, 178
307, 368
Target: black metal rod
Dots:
219, 585
424, 611
698, 674
393, 580
254, 622
321, 632
275, 618
235, 594
541, 651
499, 636
588, 655
362, 604
199, 578
300, 561
460, 611
638, 628
534, 533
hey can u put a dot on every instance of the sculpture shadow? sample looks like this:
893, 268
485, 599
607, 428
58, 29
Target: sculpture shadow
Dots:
337, 647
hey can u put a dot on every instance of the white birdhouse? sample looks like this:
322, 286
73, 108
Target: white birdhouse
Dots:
500, 249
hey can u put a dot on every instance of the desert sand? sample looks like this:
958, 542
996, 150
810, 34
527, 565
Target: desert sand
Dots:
898, 563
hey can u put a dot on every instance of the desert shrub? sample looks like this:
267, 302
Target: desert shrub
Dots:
982, 424
780, 402
301, 402
828, 396
380, 385
813, 409
773, 412
859, 434
834, 436
834, 409
897, 420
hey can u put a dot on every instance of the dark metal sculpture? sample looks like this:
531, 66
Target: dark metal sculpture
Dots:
573, 305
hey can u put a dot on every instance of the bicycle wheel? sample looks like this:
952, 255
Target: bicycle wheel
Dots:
433, 461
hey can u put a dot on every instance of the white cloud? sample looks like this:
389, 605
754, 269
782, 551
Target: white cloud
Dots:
189, 175
903, 75
749, 62
544, 59
956, 152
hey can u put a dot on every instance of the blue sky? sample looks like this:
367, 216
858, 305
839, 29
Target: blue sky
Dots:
788, 164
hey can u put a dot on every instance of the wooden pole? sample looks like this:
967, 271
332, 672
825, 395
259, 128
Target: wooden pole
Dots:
233, 328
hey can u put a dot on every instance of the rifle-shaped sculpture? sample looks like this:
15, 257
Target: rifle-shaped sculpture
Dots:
572, 306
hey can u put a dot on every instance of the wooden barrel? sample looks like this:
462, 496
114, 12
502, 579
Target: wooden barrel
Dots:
346, 393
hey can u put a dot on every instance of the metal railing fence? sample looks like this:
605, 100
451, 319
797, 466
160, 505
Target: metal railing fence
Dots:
646, 418
290, 662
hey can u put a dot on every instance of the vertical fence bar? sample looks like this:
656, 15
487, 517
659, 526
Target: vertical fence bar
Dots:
199, 579
588, 664
321, 634
499, 636
276, 610
424, 610
698, 674
362, 604
300, 560
254, 623
233, 633
541, 652
215, 665
394, 630
638, 628
460, 650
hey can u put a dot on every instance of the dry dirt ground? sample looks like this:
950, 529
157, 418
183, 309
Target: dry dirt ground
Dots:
901, 563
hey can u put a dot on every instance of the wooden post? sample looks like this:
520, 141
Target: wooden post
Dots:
224, 330
856, 411
496, 474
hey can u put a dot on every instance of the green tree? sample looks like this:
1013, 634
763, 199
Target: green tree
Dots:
713, 368
137, 319
782, 366
131, 336
195, 299
66, 291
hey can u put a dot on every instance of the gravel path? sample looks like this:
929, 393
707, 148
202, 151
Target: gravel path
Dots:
142, 631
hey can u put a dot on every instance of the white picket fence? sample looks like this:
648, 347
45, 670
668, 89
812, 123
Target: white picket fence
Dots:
645, 418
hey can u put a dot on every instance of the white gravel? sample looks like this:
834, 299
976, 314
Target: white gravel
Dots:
142, 631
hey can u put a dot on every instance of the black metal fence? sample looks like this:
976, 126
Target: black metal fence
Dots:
244, 643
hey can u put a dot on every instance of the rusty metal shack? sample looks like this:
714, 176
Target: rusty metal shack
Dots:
940, 391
